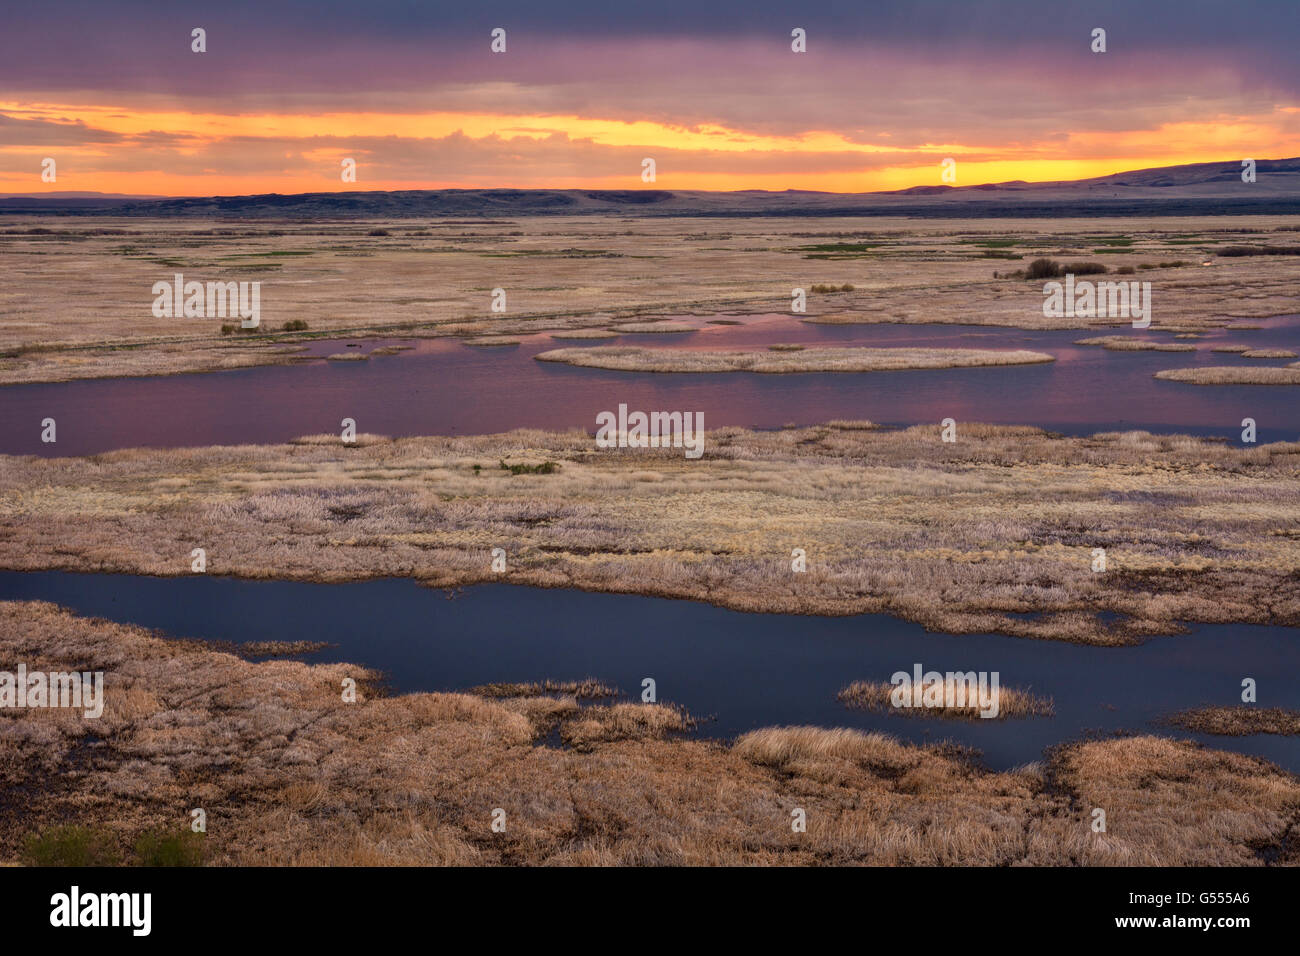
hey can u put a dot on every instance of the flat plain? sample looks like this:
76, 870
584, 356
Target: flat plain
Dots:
77, 300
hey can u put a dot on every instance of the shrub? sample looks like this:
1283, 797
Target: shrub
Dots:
377, 232
545, 468
1043, 269
1237, 251
295, 325
1050, 269
176, 848
1125, 271
227, 329
70, 846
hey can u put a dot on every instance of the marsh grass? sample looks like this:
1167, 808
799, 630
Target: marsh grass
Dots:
1269, 354
1123, 343
587, 689
785, 359
924, 272
280, 648
1232, 375
654, 327
1238, 721
969, 537
877, 696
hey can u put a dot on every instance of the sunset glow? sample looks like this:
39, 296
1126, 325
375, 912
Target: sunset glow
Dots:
419, 100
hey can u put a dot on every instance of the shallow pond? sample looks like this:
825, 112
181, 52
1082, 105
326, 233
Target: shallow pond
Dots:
444, 387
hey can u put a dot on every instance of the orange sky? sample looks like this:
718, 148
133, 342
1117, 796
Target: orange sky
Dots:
872, 97
212, 153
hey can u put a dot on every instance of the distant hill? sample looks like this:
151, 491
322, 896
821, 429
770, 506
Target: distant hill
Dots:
1197, 189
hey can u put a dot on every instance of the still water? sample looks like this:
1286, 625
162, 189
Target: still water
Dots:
733, 671
443, 387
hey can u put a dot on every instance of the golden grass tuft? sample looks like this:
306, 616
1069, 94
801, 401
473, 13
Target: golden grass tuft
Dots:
877, 696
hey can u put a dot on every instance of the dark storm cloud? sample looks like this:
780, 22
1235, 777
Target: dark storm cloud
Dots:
399, 44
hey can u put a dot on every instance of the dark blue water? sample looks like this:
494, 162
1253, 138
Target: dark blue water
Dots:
742, 671
444, 387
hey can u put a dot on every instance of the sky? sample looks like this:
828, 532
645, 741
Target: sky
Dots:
115, 95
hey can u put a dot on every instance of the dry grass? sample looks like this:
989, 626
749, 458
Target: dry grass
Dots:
1269, 354
622, 721
292, 775
1232, 375
1239, 721
488, 341
877, 696
967, 537
281, 648
786, 359
432, 278
586, 334
588, 689
654, 327
1122, 343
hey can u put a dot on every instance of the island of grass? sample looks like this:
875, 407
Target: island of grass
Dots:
490, 341
954, 701
1233, 375
1239, 721
585, 334
991, 533
1123, 343
632, 358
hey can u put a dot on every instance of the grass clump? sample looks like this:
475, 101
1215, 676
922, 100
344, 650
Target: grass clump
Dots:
1238, 721
70, 846
959, 701
586, 689
293, 325
785, 360
175, 848
832, 288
